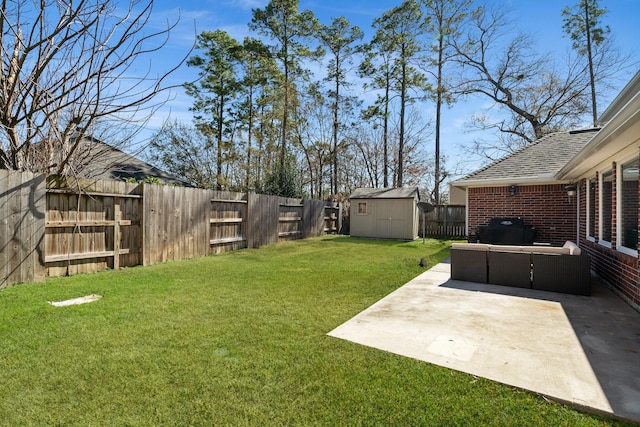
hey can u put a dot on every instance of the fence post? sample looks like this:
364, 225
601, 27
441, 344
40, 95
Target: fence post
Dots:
117, 217
446, 217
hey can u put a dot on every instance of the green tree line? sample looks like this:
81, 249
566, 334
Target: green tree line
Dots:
300, 107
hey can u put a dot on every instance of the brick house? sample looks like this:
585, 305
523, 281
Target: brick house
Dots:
580, 186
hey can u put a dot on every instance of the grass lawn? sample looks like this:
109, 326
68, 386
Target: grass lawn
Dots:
239, 339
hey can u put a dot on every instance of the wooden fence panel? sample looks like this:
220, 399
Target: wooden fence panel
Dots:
228, 221
22, 220
314, 218
290, 219
86, 231
176, 223
130, 248
262, 224
151, 217
199, 223
34, 192
332, 218
171, 218
445, 221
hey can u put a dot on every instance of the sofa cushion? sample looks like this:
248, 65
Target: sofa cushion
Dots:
471, 246
573, 248
506, 248
569, 248
549, 250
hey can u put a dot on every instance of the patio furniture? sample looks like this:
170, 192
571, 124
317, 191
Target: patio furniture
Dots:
470, 264
569, 274
509, 268
558, 269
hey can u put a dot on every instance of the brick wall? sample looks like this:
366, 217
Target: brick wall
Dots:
545, 207
620, 270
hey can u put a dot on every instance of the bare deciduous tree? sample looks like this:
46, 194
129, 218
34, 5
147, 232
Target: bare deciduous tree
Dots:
535, 95
69, 68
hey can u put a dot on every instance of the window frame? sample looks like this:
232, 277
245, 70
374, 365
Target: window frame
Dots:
366, 208
619, 206
601, 180
591, 210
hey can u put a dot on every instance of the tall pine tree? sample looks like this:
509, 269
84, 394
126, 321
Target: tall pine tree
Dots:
583, 24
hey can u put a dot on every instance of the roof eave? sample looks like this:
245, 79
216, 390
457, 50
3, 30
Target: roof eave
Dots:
498, 182
605, 142
386, 193
623, 98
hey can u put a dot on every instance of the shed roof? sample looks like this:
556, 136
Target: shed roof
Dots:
539, 161
385, 193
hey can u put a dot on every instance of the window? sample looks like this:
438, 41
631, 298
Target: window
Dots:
628, 237
362, 208
606, 195
591, 208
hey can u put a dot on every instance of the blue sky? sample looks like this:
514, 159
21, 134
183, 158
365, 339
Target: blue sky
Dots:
541, 18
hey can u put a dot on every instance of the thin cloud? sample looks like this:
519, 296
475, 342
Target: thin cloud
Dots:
247, 4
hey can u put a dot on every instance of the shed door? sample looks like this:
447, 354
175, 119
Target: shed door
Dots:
390, 220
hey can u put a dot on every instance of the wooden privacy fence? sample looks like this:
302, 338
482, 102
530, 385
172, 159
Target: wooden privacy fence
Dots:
445, 221
57, 226
22, 213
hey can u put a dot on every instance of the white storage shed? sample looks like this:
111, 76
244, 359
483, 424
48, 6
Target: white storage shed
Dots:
385, 213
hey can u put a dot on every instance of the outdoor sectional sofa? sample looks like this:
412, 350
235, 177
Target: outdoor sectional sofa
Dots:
557, 269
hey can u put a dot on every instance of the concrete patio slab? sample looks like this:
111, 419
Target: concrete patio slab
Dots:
584, 351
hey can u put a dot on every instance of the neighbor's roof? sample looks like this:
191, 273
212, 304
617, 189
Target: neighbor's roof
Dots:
104, 161
385, 193
538, 162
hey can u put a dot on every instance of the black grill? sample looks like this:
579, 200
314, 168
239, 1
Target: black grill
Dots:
506, 231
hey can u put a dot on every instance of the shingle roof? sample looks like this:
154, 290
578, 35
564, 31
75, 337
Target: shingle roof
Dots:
106, 162
540, 160
385, 193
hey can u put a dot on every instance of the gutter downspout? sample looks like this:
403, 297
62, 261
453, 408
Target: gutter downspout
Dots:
578, 217
466, 211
